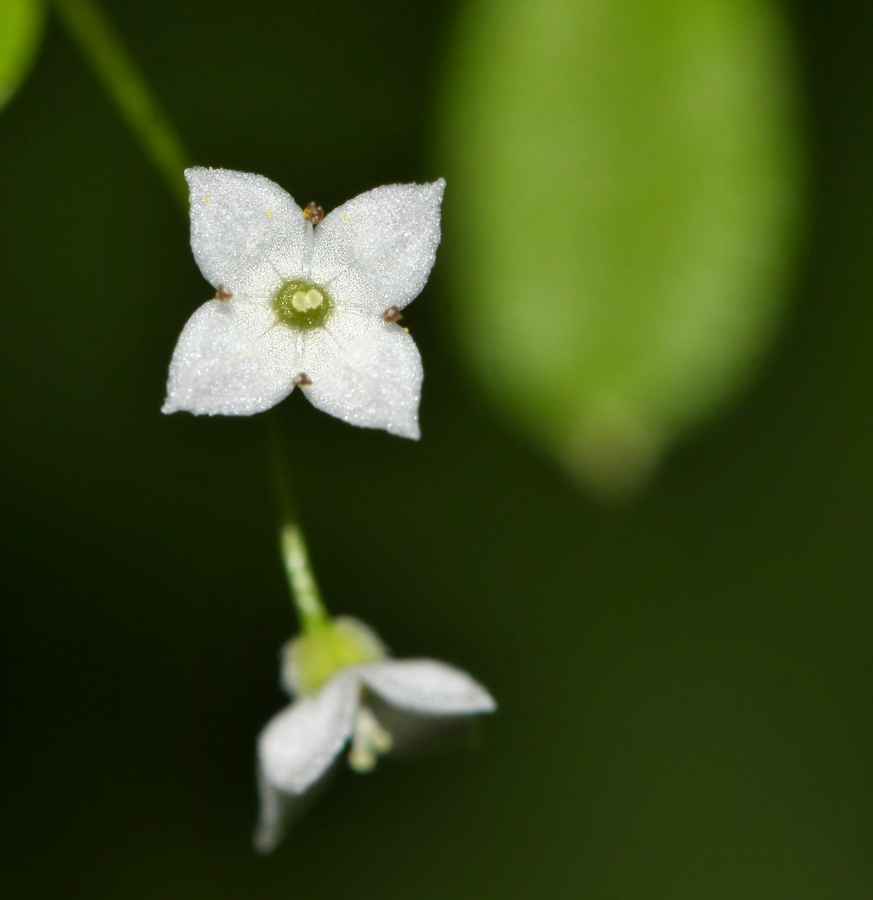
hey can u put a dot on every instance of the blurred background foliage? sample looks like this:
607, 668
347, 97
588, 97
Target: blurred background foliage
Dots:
629, 177
685, 680
20, 33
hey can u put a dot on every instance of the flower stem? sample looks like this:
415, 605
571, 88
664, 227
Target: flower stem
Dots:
307, 599
301, 579
103, 48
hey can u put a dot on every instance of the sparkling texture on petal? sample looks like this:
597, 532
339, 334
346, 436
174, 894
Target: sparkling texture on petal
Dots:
299, 744
246, 232
233, 359
365, 371
377, 250
427, 686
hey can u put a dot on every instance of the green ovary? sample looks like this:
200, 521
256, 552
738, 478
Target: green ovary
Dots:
302, 305
314, 657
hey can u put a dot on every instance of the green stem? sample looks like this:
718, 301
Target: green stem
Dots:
301, 579
105, 51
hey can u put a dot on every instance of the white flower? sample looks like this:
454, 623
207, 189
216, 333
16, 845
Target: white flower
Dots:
300, 743
301, 301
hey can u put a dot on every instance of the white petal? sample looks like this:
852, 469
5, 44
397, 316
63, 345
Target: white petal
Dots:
377, 250
232, 359
299, 744
246, 232
364, 371
426, 686
275, 807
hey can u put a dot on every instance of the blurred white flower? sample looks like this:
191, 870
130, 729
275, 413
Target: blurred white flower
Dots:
300, 743
302, 301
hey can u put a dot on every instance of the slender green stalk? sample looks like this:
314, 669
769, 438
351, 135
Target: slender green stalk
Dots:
301, 579
105, 51
103, 48
307, 598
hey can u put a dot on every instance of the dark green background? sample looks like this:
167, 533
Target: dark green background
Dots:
686, 704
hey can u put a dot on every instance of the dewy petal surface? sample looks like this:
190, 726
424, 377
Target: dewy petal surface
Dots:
298, 744
365, 371
426, 686
377, 250
247, 233
232, 358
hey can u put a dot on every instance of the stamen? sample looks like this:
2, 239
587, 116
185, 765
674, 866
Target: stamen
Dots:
313, 212
369, 741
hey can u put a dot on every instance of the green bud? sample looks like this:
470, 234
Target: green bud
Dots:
626, 192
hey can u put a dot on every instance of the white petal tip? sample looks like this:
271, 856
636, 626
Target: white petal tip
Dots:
171, 406
265, 840
488, 703
477, 700
195, 173
427, 686
413, 432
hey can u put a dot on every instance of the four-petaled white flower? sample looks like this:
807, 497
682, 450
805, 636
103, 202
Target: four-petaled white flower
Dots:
305, 302
300, 743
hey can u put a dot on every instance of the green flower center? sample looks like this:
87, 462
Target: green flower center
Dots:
314, 657
302, 305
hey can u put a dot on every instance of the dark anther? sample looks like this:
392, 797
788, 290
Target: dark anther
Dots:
301, 380
392, 314
223, 292
314, 213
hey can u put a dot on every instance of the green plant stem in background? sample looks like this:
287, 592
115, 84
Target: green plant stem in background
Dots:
105, 51
21, 28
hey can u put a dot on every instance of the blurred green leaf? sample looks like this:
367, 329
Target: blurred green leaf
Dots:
20, 32
623, 201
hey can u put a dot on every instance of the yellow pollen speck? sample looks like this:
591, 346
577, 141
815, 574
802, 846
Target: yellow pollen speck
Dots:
405, 328
346, 218
207, 197
304, 301
269, 212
